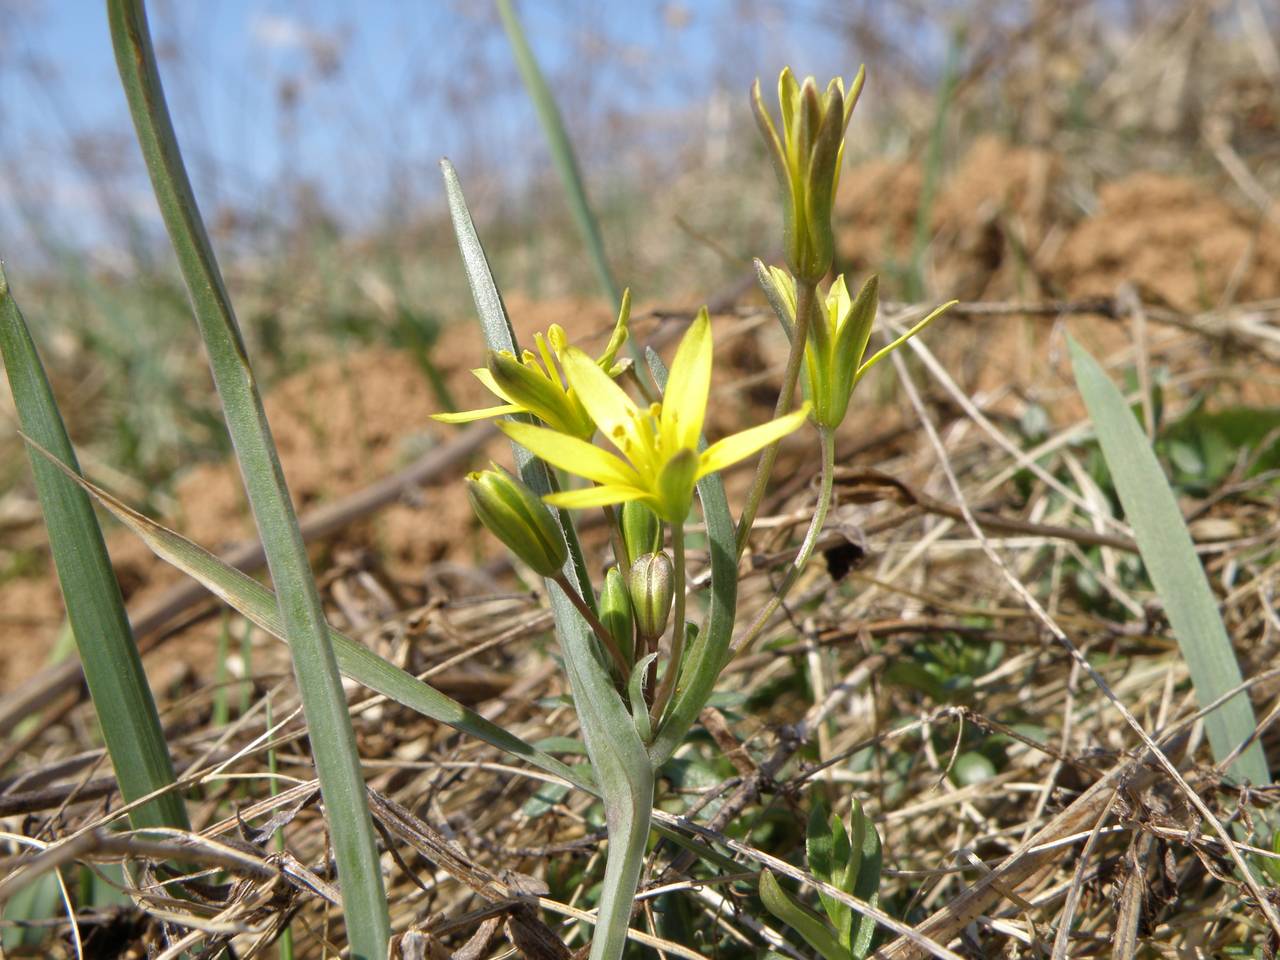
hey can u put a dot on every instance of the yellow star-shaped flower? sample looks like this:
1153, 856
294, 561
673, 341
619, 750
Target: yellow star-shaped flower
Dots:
532, 383
660, 462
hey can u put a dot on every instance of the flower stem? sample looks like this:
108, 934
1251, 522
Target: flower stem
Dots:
806, 294
807, 547
668, 685
593, 621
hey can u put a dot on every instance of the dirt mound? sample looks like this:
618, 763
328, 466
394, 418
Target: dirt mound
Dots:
1180, 244
993, 207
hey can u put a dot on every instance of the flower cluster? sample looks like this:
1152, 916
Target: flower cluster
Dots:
658, 461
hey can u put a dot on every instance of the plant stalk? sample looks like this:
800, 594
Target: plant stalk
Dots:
671, 674
806, 295
811, 537
593, 621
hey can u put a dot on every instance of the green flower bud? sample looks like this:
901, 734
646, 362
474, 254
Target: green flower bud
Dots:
615, 612
641, 531
652, 590
515, 515
806, 158
839, 331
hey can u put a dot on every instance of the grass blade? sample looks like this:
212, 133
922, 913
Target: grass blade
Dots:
561, 149
113, 670
319, 682
1174, 567
618, 756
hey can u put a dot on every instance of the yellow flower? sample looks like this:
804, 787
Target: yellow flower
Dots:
533, 383
838, 336
660, 462
806, 158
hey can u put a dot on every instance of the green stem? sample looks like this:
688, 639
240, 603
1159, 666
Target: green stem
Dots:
811, 537
593, 621
806, 294
668, 684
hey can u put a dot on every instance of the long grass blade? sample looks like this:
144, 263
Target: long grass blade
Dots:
113, 670
319, 681
1174, 568
561, 148
618, 757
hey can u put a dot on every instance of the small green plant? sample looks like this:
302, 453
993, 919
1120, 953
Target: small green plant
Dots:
638, 691
848, 857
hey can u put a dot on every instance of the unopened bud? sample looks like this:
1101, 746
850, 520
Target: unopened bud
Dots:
652, 589
515, 515
615, 612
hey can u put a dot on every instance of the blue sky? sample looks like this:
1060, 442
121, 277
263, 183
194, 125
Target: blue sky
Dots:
361, 101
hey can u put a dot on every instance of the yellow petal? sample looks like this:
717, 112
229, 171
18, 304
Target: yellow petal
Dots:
484, 376
606, 402
741, 445
594, 496
684, 403
468, 416
571, 454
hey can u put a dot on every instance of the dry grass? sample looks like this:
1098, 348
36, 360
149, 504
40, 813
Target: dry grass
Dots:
979, 659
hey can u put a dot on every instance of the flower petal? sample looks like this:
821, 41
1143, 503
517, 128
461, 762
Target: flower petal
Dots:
484, 376
571, 454
606, 402
468, 416
594, 496
684, 403
741, 445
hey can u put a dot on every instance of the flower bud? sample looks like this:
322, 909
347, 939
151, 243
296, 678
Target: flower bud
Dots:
806, 156
615, 612
652, 590
641, 531
515, 515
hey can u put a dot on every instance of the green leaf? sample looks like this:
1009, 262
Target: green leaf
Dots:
319, 682
709, 652
867, 885
126, 710
561, 147
621, 764
799, 918
1174, 568
828, 850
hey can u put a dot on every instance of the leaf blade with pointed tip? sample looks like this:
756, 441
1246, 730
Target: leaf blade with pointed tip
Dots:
1175, 570
112, 667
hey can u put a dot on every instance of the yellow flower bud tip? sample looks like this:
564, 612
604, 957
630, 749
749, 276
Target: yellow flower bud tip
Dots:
652, 585
514, 514
641, 530
806, 151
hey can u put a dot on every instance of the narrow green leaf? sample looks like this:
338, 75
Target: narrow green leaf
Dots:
618, 756
799, 918
635, 692
126, 711
561, 149
867, 885
1174, 568
319, 683
709, 652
